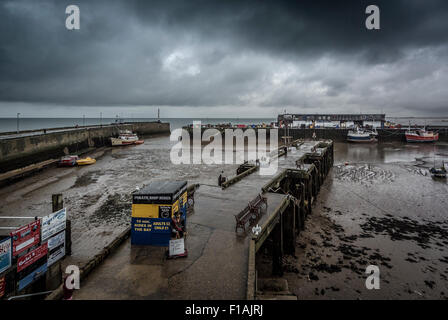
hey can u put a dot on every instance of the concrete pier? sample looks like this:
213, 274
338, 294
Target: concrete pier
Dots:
221, 262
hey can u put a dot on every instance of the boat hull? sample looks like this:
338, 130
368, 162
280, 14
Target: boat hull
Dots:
118, 142
360, 139
415, 138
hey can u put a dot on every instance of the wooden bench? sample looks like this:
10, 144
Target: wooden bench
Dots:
251, 212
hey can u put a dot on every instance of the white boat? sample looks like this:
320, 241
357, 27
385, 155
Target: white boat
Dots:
361, 135
126, 137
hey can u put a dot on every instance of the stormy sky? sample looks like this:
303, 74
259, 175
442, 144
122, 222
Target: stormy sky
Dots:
228, 58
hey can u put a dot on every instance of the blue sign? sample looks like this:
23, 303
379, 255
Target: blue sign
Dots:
151, 231
5, 254
33, 276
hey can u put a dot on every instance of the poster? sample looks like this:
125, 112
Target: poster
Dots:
5, 254
177, 247
56, 255
31, 257
25, 237
33, 276
56, 240
53, 223
2, 286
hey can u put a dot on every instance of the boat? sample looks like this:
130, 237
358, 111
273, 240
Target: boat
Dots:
68, 161
421, 135
438, 172
126, 138
85, 161
361, 135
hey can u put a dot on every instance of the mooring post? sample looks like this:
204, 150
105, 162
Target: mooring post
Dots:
57, 202
289, 234
277, 249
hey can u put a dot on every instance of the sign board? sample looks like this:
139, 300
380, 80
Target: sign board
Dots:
5, 254
33, 276
150, 231
56, 255
177, 247
165, 212
2, 286
31, 257
53, 223
25, 237
56, 241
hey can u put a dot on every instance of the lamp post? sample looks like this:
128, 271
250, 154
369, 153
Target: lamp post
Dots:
18, 114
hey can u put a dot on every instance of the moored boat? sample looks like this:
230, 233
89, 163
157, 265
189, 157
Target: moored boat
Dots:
438, 172
360, 135
68, 161
85, 161
421, 135
126, 138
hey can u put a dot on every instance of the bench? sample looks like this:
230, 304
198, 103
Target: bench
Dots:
251, 212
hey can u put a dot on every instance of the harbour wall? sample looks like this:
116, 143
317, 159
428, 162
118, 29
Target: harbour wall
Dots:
340, 135
18, 152
337, 134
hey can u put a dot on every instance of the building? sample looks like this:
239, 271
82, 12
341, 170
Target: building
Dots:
331, 120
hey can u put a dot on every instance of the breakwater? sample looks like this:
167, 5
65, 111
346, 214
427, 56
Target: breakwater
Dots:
334, 134
340, 135
20, 151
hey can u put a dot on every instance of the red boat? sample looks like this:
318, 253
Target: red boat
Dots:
421, 136
68, 161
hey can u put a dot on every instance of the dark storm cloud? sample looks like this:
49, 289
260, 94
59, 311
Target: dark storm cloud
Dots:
303, 54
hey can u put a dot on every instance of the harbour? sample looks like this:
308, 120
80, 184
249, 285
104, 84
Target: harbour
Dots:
330, 228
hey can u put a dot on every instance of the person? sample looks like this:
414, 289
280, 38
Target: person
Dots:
221, 179
178, 229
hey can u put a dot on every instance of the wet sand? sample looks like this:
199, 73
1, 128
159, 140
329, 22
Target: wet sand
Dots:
382, 209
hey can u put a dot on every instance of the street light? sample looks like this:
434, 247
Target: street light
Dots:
18, 114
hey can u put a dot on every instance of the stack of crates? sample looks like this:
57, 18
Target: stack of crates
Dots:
152, 210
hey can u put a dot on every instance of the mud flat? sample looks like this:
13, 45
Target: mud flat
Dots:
380, 209
17, 151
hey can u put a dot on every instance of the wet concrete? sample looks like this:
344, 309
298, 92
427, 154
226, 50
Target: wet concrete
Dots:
383, 209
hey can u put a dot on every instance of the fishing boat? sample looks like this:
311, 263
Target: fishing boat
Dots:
68, 161
125, 138
85, 161
421, 135
361, 135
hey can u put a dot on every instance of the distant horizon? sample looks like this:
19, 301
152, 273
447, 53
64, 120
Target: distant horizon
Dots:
403, 117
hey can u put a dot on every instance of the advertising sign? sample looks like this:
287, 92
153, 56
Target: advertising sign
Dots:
56, 255
177, 247
25, 237
2, 286
33, 276
5, 254
56, 241
53, 223
31, 257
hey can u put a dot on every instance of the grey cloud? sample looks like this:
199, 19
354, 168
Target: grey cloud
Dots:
298, 54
